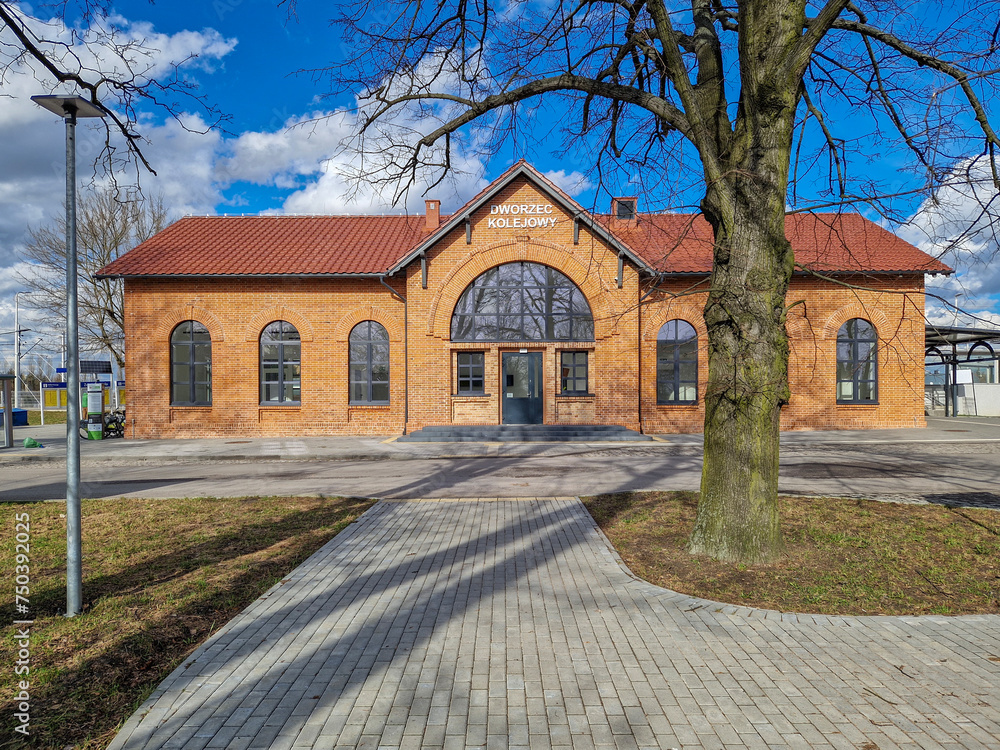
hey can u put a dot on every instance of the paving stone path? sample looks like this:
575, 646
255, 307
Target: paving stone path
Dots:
509, 624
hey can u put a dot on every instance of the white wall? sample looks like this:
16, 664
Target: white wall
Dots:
979, 399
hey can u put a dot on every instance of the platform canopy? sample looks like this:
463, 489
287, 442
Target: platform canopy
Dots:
938, 336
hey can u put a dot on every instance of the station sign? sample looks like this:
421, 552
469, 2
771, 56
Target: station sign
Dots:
521, 216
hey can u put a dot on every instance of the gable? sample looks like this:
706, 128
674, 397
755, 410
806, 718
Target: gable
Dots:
521, 199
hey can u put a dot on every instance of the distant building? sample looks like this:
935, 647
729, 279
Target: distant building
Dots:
521, 307
961, 368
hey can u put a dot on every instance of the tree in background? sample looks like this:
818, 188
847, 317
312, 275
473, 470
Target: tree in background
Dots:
753, 102
109, 223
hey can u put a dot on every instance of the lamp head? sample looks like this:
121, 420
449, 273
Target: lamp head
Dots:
68, 106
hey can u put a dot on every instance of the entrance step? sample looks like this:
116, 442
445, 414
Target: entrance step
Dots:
523, 433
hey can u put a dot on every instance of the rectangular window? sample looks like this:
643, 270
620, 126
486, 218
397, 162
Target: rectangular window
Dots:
471, 373
573, 377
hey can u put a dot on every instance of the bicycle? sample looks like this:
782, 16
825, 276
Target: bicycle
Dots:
114, 424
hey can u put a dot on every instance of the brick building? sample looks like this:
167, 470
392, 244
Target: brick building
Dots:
522, 307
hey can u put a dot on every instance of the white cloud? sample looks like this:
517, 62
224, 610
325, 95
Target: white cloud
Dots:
111, 46
184, 160
319, 156
32, 140
961, 226
572, 183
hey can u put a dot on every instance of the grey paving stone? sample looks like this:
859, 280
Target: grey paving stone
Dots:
482, 623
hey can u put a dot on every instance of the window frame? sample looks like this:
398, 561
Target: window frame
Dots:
856, 364
575, 375
676, 361
281, 362
470, 375
522, 301
369, 363
191, 345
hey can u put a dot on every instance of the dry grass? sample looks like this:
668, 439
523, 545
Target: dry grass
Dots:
52, 416
856, 557
159, 577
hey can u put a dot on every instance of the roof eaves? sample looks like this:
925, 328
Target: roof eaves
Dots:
869, 271
304, 275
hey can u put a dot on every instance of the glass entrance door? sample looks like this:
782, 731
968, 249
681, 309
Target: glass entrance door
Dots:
522, 388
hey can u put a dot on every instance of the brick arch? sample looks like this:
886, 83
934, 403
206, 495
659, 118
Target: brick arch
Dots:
855, 310
798, 323
278, 312
655, 321
511, 251
174, 316
344, 326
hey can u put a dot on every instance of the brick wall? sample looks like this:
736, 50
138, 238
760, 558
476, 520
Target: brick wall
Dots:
817, 310
235, 311
622, 358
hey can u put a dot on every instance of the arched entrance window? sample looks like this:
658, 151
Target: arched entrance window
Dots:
280, 364
676, 363
522, 302
369, 342
190, 365
857, 364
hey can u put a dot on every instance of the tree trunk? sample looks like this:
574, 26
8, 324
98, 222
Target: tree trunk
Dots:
745, 312
747, 386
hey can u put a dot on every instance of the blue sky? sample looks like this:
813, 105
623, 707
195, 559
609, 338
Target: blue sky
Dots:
273, 154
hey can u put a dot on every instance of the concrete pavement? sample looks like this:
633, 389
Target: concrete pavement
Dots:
512, 624
353, 448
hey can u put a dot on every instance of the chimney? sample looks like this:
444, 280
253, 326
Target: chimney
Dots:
433, 215
624, 211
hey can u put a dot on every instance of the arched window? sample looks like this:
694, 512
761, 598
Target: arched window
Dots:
676, 363
857, 365
522, 302
369, 363
190, 365
280, 364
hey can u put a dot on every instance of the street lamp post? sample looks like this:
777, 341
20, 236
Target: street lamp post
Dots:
70, 108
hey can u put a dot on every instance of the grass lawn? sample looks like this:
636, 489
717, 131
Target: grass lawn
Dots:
52, 416
857, 557
159, 577
162, 575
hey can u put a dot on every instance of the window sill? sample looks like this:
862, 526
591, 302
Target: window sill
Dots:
676, 403
857, 403
370, 405
471, 395
581, 396
290, 405
190, 406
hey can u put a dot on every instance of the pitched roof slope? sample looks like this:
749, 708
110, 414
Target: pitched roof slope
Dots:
682, 243
272, 245
343, 245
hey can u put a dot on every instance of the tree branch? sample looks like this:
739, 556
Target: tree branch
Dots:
961, 77
816, 29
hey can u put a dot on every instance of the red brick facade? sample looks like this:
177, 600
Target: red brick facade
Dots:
621, 358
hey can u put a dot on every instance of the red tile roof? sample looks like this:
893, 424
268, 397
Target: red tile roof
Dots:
272, 245
682, 243
299, 245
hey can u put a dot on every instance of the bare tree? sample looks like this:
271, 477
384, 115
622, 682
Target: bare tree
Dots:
109, 224
83, 50
745, 100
